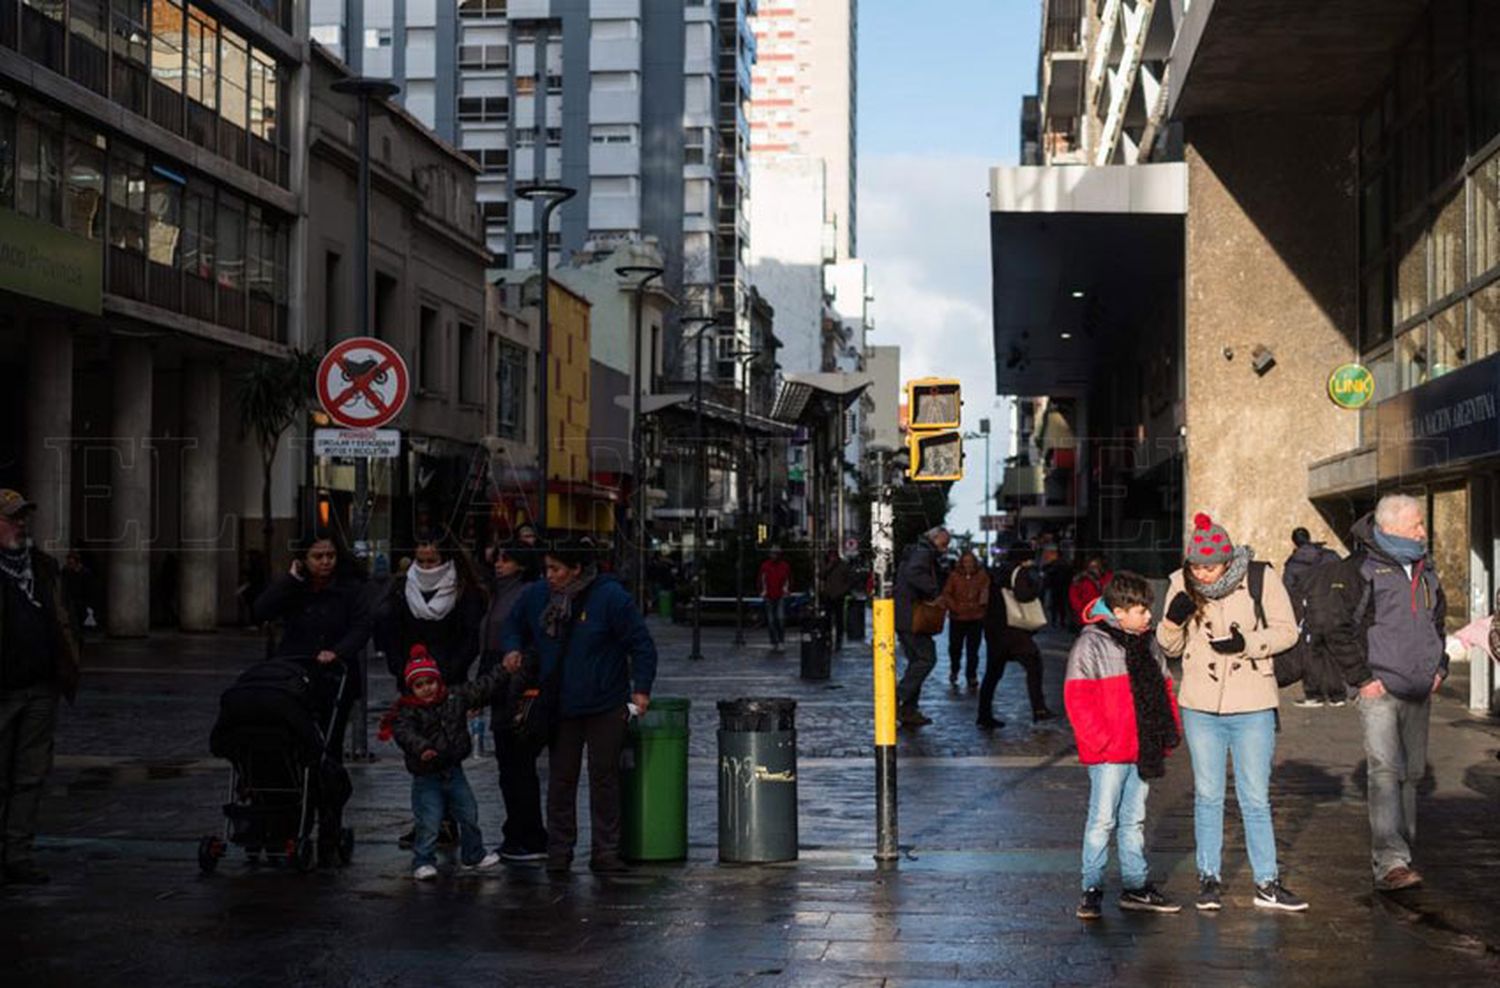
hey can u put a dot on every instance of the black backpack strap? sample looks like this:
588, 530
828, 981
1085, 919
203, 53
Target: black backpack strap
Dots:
1257, 583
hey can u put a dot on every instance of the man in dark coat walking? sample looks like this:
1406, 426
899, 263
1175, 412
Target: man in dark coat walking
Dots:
1322, 682
917, 581
38, 664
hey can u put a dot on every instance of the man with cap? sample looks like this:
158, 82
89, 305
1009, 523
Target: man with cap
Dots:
38, 664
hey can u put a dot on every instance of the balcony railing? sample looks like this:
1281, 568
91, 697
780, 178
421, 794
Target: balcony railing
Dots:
1064, 26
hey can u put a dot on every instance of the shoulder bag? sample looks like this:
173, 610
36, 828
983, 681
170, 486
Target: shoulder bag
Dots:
540, 709
1030, 616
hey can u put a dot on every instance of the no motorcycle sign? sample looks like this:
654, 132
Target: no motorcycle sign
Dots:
363, 383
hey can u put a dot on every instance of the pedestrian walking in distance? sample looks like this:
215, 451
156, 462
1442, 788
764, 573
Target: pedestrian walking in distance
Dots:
39, 658
596, 660
775, 584
1322, 679
1119, 699
1390, 646
1227, 641
838, 580
1005, 641
918, 617
431, 724
966, 594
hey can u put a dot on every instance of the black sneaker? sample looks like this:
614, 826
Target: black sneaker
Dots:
1039, 716
1210, 895
989, 723
406, 840
519, 855
608, 865
1147, 899
1274, 895
559, 864
1091, 905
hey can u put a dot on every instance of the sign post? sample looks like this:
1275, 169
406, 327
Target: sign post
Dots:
362, 384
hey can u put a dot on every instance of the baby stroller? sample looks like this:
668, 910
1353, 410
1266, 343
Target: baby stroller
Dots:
285, 786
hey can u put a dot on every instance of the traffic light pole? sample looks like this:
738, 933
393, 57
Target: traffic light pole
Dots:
882, 541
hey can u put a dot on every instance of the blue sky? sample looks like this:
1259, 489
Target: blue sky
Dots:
939, 105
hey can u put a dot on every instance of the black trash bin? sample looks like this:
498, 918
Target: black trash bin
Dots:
817, 648
757, 780
854, 619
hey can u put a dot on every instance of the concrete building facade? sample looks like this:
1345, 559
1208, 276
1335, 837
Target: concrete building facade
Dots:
1332, 206
151, 219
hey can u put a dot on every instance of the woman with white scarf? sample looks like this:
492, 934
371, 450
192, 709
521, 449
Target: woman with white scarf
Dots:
439, 603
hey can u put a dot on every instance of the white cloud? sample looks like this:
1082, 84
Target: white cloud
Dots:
924, 231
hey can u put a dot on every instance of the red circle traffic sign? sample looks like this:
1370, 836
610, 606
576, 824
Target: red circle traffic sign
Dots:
363, 383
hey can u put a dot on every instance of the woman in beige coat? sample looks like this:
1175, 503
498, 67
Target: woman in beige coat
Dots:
1227, 642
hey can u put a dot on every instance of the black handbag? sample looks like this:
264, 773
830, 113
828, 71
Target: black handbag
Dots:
540, 709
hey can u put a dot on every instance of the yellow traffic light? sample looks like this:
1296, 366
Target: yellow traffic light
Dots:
933, 403
934, 408
936, 455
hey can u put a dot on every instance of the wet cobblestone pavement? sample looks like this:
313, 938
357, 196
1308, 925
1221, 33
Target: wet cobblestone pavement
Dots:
985, 894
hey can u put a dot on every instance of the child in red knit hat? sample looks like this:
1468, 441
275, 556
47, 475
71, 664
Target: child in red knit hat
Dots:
431, 724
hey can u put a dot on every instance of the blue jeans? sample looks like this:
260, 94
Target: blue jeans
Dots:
776, 620
431, 795
1117, 804
1396, 752
1251, 740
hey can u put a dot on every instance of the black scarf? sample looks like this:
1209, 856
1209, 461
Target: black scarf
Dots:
1155, 728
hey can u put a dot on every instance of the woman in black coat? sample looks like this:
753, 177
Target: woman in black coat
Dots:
322, 604
1003, 643
440, 603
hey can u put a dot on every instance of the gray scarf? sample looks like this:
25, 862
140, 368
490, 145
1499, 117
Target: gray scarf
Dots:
1239, 565
560, 604
16, 565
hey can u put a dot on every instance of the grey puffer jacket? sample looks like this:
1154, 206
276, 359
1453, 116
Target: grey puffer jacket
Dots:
442, 727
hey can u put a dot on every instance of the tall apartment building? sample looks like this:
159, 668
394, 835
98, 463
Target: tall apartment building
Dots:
806, 96
1101, 83
639, 105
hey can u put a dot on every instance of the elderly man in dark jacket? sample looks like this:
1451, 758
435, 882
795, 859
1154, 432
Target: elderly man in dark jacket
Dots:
1390, 646
38, 664
917, 581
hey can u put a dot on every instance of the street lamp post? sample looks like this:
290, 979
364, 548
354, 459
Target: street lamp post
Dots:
551, 196
984, 433
704, 324
646, 273
741, 357
363, 90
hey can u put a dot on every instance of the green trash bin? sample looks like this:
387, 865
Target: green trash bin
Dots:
654, 777
664, 604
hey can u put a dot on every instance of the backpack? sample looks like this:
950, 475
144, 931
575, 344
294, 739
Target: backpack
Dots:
1290, 665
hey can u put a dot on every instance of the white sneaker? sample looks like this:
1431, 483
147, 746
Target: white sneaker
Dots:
485, 863
1307, 702
425, 873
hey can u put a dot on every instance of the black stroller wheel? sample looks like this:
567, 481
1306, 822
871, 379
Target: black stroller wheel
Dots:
304, 857
346, 845
210, 850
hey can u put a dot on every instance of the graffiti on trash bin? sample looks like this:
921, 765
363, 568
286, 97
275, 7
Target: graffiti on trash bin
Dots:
738, 774
763, 774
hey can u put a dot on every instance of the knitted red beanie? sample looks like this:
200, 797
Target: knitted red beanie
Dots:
421, 665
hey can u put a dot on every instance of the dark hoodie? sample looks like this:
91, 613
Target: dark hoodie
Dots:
1393, 625
1304, 559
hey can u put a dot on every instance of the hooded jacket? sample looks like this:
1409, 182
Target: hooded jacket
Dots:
1096, 694
1216, 683
1393, 622
916, 579
1303, 560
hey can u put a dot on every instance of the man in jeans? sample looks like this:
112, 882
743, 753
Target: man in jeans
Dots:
917, 580
1390, 646
38, 664
775, 584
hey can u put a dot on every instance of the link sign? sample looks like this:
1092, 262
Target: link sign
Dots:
1351, 386
363, 383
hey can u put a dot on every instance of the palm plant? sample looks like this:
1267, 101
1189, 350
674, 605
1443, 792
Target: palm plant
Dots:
273, 394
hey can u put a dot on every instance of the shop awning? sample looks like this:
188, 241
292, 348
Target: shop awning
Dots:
805, 398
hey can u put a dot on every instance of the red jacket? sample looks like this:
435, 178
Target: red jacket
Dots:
1096, 693
1085, 590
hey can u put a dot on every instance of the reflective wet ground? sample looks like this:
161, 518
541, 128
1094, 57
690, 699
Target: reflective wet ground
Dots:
984, 895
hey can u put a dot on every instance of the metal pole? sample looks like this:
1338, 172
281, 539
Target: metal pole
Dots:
739, 519
544, 365
988, 507
886, 824
362, 295
697, 652
648, 274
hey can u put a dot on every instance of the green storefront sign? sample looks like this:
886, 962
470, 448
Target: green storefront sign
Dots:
41, 261
1351, 386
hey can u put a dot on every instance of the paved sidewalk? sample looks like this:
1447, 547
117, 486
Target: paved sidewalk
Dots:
985, 895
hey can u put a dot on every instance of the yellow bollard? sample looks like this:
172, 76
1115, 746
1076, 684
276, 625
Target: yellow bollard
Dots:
886, 848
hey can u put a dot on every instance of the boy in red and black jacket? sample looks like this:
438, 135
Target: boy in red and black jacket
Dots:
1120, 702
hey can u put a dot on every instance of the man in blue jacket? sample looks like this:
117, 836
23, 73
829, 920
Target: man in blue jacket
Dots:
596, 657
1390, 646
